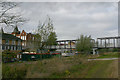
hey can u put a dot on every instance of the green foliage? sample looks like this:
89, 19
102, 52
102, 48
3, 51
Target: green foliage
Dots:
52, 39
115, 50
37, 41
47, 34
8, 55
33, 44
84, 44
67, 72
108, 50
108, 55
69, 67
13, 72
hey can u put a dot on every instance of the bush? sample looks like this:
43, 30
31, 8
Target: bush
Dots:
84, 44
13, 72
7, 55
115, 50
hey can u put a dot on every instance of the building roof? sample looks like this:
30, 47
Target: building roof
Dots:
9, 37
16, 30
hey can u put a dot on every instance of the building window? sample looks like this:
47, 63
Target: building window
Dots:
13, 42
6, 41
14, 47
23, 44
19, 48
25, 38
5, 48
11, 47
19, 42
0, 41
8, 47
20, 56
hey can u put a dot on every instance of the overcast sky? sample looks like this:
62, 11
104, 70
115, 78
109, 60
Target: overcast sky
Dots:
98, 19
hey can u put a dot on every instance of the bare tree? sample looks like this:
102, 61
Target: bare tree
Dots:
7, 16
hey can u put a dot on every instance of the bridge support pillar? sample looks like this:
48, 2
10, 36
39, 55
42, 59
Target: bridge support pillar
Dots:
105, 43
94, 51
114, 42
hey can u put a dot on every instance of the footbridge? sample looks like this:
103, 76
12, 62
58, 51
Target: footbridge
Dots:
100, 43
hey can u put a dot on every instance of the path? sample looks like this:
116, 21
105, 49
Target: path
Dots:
104, 59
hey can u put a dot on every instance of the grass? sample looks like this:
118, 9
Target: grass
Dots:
98, 70
13, 71
109, 55
0, 70
104, 55
62, 67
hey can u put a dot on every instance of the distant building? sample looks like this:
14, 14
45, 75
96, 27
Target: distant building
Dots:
24, 36
10, 42
72, 44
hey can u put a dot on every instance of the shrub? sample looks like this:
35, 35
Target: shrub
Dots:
8, 55
13, 72
84, 44
67, 72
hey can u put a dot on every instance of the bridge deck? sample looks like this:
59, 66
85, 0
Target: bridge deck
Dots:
101, 43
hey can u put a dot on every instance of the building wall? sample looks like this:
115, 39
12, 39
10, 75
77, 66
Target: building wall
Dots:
3, 41
25, 37
11, 46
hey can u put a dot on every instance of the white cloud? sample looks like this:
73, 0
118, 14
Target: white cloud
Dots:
97, 19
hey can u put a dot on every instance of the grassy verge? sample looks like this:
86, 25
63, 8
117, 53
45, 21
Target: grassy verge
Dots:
104, 55
109, 55
62, 67
93, 69
98, 70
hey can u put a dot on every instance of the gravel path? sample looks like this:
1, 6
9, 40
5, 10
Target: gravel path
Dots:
103, 59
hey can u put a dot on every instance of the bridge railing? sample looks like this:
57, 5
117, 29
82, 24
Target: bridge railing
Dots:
107, 42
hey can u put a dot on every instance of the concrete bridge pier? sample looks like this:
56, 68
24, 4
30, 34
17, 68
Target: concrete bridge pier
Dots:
95, 51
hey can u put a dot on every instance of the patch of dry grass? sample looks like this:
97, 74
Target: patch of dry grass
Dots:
62, 67
47, 67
